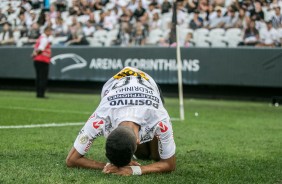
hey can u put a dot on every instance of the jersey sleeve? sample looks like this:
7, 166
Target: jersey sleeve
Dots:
166, 144
92, 129
106, 87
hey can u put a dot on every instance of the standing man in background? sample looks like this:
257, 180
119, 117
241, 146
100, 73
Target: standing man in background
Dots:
41, 56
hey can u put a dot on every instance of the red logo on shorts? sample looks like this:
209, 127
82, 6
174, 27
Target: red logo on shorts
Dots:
97, 124
163, 127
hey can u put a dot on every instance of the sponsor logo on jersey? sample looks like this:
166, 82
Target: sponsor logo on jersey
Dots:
134, 102
133, 95
106, 92
108, 128
129, 72
134, 89
98, 124
88, 145
148, 134
163, 127
83, 139
161, 150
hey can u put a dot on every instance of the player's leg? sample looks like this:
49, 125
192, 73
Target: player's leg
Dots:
148, 151
154, 150
143, 151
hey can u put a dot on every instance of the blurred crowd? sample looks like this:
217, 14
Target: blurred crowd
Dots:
130, 22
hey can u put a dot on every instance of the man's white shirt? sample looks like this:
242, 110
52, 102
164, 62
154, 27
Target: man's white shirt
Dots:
269, 36
133, 98
43, 42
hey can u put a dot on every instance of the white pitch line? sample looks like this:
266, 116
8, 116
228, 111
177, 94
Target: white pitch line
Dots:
41, 125
47, 125
44, 110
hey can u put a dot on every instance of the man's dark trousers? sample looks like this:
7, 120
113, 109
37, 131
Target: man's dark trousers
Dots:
42, 70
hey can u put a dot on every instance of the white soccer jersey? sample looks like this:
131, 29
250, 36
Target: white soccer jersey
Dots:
131, 95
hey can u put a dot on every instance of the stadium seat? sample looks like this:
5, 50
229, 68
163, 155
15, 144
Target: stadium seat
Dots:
202, 32
233, 31
217, 37
166, 33
201, 37
21, 41
218, 42
154, 36
100, 36
183, 33
165, 23
233, 36
112, 35
218, 32
202, 42
94, 42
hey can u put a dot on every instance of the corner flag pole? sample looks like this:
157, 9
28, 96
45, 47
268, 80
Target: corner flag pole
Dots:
179, 72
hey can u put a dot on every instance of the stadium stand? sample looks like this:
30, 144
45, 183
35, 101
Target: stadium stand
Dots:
101, 21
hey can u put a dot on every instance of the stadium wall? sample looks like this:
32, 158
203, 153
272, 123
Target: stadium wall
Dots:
258, 67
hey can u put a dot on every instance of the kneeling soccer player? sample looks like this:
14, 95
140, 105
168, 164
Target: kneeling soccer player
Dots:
132, 118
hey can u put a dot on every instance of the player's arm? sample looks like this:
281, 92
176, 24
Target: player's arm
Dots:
91, 130
166, 147
75, 159
164, 165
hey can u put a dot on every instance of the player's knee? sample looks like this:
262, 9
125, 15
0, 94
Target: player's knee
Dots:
142, 155
142, 152
69, 162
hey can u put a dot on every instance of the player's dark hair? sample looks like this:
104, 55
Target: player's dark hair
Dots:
120, 146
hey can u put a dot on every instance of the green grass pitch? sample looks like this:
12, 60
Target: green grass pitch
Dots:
228, 142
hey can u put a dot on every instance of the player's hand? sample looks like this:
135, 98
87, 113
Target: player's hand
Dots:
110, 168
122, 171
134, 163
